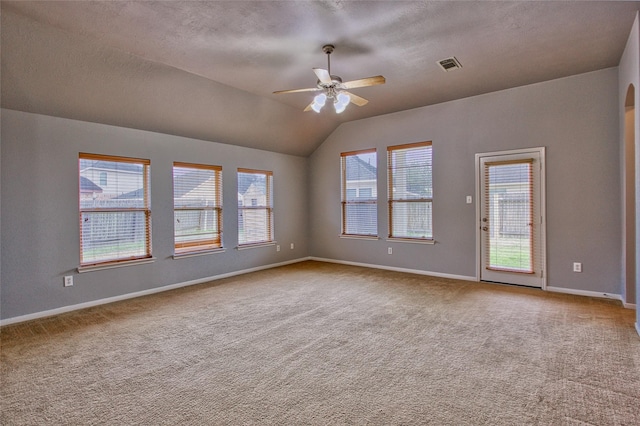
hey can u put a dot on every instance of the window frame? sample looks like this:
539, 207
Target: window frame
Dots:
146, 209
268, 208
391, 200
200, 245
346, 201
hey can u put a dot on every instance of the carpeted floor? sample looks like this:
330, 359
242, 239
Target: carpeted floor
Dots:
323, 344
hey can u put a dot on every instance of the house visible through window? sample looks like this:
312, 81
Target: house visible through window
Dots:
365, 192
255, 206
359, 193
410, 191
197, 204
115, 220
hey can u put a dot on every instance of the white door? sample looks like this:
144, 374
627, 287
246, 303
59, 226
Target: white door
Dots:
511, 217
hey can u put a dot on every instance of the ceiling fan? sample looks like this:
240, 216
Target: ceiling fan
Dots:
333, 88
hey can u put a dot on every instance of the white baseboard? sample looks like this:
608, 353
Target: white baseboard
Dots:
393, 268
98, 302
585, 293
469, 278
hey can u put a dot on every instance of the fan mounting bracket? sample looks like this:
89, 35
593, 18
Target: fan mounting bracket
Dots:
328, 48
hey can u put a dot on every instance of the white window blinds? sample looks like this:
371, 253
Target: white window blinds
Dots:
359, 193
197, 203
255, 206
410, 171
115, 210
508, 216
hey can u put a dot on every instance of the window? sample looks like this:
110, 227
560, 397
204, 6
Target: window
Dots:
115, 222
410, 191
103, 178
509, 207
197, 207
255, 207
365, 193
359, 193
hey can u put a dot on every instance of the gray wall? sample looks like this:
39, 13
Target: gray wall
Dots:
575, 118
40, 210
629, 73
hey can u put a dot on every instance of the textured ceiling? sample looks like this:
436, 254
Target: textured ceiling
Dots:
207, 70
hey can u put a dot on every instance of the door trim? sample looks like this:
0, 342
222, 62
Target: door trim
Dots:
543, 209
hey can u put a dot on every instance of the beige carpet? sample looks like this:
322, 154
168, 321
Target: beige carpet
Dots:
322, 344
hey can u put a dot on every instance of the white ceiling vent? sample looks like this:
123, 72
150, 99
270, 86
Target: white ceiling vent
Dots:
449, 64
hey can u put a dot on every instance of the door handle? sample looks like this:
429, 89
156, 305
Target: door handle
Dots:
484, 228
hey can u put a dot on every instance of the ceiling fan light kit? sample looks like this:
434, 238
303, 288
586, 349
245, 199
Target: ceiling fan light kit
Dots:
318, 102
332, 87
341, 102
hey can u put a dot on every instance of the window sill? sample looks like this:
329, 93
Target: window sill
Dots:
359, 237
411, 240
256, 245
83, 269
198, 253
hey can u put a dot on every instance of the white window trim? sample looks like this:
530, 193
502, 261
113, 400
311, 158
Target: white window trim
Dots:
199, 253
359, 237
412, 240
122, 264
256, 245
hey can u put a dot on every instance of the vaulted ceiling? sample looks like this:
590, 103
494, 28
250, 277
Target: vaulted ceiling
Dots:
207, 69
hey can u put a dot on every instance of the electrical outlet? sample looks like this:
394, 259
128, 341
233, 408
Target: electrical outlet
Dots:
389, 250
292, 246
577, 267
278, 247
68, 280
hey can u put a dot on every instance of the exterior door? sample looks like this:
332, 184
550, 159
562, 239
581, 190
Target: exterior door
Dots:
511, 217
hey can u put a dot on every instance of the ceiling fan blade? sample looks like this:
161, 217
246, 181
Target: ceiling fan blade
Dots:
308, 108
364, 82
309, 89
323, 75
355, 99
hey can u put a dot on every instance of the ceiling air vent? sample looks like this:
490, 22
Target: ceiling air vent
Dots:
449, 64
